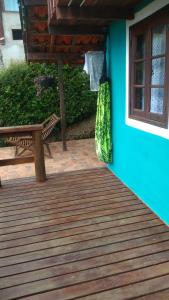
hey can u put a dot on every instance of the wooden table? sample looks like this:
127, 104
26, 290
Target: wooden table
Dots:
29, 130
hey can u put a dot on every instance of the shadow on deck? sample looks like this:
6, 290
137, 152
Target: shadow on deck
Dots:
80, 235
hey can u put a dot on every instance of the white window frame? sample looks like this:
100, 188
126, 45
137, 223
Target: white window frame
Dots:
139, 16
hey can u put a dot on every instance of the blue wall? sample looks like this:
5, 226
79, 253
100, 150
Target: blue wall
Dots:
140, 159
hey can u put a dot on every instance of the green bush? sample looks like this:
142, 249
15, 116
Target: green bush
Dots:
19, 104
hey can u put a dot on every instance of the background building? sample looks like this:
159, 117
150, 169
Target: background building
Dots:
11, 44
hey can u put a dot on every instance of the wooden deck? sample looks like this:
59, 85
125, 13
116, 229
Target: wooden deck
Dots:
80, 235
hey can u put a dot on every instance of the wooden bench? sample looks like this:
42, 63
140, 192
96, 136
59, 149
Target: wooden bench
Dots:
35, 131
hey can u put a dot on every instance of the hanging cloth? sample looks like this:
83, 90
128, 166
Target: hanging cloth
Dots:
103, 132
93, 66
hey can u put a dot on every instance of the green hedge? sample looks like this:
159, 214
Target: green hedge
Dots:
20, 105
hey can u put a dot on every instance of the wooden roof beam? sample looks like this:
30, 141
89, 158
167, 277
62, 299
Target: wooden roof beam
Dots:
77, 30
67, 49
87, 14
54, 57
75, 2
62, 2
35, 2
48, 56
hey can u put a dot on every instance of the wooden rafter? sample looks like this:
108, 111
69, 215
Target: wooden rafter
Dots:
67, 50
35, 2
76, 30
80, 3
71, 15
70, 2
50, 56
62, 2
75, 2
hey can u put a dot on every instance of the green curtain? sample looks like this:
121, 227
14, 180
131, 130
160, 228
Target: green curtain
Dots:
103, 134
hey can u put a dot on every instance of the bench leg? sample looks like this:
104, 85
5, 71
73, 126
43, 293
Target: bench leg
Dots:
48, 150
16, 151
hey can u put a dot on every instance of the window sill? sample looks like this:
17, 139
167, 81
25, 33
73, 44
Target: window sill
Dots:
149, 121
149, 128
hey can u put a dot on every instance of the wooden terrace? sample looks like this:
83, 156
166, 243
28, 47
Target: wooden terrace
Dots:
80, 235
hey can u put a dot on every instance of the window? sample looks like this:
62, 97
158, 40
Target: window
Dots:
17, 34
11, 5
149, 68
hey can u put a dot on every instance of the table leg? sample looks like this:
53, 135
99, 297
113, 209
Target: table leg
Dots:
39, 157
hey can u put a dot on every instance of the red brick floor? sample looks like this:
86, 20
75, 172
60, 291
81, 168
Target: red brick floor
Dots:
80, 155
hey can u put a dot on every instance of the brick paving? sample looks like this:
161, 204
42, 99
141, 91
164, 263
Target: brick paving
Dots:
80, 155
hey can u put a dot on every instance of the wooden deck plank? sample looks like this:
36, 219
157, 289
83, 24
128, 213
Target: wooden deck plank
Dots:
93, 259
68, 214
63, 194
73, 205
85, 248
64, 201
52, 243
56, 176
29, 182
109, 214
115, 283
58, 180
54, 186
80, 235
60, 191
162, 295
101, 278
73, 190
102, 266
121, 199
83, 180
79, 227
131, 291
61, 185
90, 230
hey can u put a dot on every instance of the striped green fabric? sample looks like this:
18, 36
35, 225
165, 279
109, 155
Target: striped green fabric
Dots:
103, 134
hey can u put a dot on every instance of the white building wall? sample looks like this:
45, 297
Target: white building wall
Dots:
13, 50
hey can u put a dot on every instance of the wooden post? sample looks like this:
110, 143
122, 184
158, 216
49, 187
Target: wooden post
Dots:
62, 103
39, 156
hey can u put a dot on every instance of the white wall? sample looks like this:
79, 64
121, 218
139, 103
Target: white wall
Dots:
12, 50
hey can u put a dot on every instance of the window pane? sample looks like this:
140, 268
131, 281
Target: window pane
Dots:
11, 5
157, 100
159, 40
139, 98
158, 71
139, 73
17, 34
140, 46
